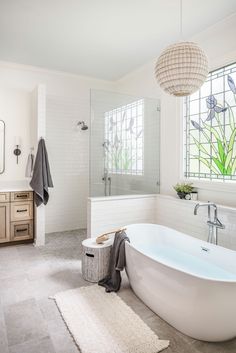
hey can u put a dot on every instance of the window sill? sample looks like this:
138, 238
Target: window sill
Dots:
192, 203
229, 186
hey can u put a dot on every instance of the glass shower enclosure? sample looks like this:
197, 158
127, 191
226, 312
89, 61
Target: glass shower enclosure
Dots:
124, 144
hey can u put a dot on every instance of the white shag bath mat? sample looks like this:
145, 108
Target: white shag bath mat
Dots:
101, 322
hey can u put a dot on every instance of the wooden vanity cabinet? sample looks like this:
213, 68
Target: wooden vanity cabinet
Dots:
21, 196
4, 196
21, 211
4, 222
21, 230
16, 216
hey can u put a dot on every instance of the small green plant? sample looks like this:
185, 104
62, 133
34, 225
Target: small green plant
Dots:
185, 188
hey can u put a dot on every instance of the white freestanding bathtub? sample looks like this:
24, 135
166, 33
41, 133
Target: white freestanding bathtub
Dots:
190, 283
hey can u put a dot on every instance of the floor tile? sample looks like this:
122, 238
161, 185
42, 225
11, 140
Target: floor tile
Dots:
130, 299
179, 343
8, 254
10, 262
12, 269
221, 347
56, 282
60, 336
15, 289
29, 255
3, 334
24, 322
48, 309
39, 270
34, 346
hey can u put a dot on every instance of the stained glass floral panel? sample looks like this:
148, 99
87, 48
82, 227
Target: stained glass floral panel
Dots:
124, 139
210, 128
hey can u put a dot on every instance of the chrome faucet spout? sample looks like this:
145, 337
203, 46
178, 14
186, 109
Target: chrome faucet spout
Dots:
206, 204
196, 208
213, 225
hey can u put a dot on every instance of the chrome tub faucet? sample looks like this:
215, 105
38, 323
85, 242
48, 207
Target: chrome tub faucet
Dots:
213, 225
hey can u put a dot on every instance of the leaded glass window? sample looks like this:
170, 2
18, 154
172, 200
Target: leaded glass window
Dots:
123, 143
210, 128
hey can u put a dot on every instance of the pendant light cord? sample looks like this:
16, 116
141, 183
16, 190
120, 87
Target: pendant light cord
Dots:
181, 21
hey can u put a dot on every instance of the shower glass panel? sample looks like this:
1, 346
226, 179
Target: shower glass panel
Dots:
124, 144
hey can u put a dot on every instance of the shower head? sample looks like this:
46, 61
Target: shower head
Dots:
83, 125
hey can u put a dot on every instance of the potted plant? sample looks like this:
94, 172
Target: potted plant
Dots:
183, 189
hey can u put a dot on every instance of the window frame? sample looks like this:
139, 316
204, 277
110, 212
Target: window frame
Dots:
213, 185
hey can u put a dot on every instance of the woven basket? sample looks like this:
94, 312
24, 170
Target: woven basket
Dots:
182, 68
95, 260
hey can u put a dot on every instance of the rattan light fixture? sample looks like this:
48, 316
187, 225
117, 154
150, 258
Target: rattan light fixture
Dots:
182, 67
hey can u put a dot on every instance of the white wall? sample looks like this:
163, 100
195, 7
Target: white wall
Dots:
15, 110
220, 46
38, 130
68, 101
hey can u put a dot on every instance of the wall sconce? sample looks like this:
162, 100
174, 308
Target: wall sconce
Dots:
17, 150
82, 125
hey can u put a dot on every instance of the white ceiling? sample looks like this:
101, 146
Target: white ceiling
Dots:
100, 38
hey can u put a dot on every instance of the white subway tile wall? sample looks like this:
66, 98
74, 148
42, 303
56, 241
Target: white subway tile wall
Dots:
106, 214
68, 149
178, 214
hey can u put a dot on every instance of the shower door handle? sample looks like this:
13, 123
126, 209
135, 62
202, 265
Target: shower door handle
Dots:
105, 185
109, 180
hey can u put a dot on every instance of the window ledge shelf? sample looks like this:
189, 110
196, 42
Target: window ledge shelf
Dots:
192, 203
213, 185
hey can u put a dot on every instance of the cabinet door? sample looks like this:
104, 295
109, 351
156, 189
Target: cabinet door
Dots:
4, 222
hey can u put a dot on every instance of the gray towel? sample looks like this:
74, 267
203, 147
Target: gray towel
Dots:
41, 179
112, 281
29, 166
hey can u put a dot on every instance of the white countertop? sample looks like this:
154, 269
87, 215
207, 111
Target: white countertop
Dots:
15, 189
14, 186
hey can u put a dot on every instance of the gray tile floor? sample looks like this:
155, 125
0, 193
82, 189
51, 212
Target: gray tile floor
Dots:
31, 323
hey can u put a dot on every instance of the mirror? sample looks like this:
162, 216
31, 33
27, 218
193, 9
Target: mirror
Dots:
2, 146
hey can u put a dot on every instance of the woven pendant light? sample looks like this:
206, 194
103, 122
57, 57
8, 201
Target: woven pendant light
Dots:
182, 68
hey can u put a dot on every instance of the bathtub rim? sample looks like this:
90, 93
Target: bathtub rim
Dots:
205, 278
